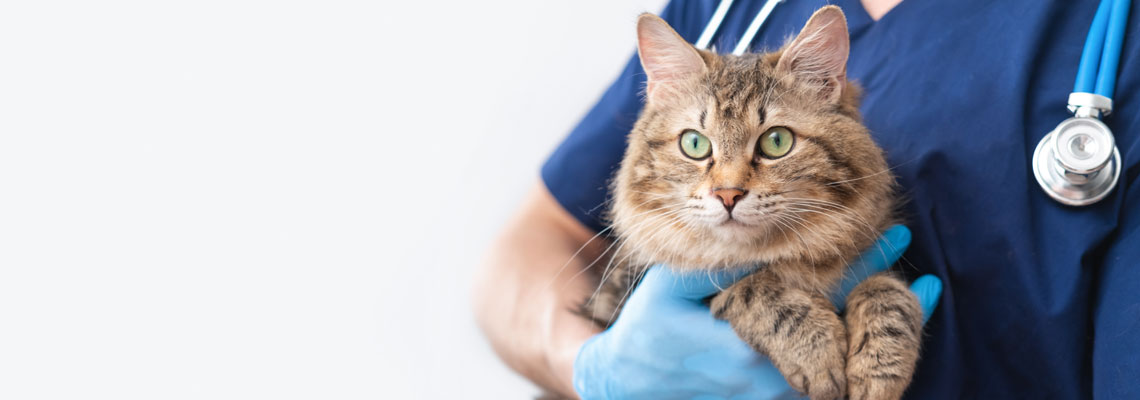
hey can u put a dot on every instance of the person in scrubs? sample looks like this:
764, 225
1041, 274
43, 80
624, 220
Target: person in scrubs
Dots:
1039, 299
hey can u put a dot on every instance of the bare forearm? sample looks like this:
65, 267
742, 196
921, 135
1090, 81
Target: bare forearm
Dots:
528, 285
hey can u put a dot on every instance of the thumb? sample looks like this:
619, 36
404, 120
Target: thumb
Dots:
928, 289
693, 284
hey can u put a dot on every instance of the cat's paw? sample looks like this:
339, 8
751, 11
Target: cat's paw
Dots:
799, 332
877, 373
865, 384
819, 382
822, 378
814, 359
884, 320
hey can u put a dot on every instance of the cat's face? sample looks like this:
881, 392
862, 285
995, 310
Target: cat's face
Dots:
749, 159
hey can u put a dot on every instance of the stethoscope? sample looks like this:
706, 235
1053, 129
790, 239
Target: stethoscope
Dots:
1077, 163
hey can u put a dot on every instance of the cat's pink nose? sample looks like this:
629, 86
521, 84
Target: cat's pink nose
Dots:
729, 196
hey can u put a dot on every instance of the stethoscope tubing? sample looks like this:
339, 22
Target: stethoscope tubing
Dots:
1100, 58
705, 40
750, 33
713, 25
1113, 44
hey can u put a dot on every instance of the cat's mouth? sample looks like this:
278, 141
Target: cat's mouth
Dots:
734, 222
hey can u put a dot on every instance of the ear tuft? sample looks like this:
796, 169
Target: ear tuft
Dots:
667, 58
818, 55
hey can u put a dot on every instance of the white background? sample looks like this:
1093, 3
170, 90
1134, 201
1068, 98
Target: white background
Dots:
273, 199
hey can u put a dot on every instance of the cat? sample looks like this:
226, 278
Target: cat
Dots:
762, 159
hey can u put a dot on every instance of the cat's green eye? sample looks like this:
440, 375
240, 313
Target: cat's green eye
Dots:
695, 145
776, 142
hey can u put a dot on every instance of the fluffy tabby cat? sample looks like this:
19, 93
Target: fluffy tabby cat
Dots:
762, 159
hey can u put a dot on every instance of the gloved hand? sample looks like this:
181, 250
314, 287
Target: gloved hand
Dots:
666, 343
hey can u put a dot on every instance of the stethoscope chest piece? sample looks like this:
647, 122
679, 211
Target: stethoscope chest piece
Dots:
1077, 163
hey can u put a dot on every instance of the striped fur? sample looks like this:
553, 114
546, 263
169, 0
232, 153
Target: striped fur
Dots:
803, 216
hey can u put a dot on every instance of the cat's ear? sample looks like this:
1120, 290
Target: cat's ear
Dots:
818, 55
666, 56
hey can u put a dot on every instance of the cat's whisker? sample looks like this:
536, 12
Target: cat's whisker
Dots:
799, 207
606, 272
889, 169
656, 195
847, 212
575, 255
871, 229
604, 252
651, 237
630, 289
821, 208
583, 247
849, 272
836, 216
843, 218
805, 225
666, 218
794, 221
781, 224
780, 228
820, 287
684, 231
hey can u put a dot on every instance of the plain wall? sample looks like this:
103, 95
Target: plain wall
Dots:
273, 199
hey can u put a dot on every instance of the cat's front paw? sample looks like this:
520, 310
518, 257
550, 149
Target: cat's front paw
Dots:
884, 321
811, 352
881, 360
821, 376
799, 332
866, 385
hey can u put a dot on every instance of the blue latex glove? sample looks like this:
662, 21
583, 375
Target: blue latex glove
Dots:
666, 343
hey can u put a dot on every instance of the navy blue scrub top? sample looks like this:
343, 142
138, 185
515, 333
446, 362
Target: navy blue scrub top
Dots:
1040, 300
